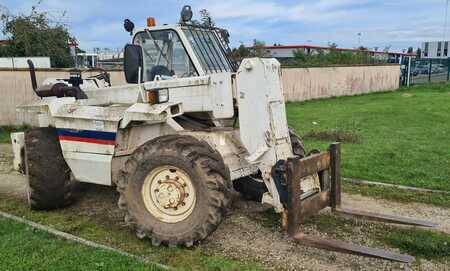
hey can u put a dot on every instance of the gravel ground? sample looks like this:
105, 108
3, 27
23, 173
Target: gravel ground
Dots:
252, 232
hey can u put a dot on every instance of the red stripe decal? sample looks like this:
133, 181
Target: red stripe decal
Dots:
87, 140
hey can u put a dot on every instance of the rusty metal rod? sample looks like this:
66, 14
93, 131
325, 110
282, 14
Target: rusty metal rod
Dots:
339, 246
385, 218
335, 165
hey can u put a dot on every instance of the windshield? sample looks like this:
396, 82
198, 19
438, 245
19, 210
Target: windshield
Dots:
208, 49
164, 55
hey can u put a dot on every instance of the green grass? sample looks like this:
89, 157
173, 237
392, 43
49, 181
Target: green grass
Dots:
5, 132
102, 230
24, 248
403, 136
421, 243
399, 195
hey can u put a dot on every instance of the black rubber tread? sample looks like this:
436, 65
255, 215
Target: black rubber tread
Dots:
250, 188
49, 182
298, 147
210, 177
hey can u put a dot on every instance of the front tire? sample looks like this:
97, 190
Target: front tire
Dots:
49, 183
175, 190
298, 147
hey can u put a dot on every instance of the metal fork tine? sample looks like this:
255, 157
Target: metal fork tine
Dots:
385, 218
339, 246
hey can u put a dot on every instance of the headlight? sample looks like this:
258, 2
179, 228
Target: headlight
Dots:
163, 95
158, 96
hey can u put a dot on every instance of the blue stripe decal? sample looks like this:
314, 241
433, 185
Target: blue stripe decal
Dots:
87, 134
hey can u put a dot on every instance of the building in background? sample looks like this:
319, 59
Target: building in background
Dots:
287, 51
101, 58
435, 49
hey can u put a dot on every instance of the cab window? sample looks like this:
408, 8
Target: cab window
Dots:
164, 55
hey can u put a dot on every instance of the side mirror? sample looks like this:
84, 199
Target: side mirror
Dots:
132, 61
129, 26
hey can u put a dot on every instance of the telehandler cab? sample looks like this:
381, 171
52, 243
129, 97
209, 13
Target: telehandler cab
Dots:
189, 124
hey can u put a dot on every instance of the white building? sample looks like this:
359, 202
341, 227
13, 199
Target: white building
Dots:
435, 49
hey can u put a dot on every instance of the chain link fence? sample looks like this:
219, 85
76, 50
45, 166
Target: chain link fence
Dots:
424, 71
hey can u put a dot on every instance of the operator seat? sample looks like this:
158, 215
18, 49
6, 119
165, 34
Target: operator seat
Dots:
159, 70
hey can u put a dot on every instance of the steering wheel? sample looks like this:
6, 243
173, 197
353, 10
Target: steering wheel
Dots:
158, 70
103, 75
188, 74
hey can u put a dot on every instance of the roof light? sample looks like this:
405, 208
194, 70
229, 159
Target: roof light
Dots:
151, 21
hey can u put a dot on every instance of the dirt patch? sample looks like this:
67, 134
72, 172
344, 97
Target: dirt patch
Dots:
407, 95
252, 232
11, 183
6, 157
335, 136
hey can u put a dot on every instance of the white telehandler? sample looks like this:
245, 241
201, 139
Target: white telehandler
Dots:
189, 125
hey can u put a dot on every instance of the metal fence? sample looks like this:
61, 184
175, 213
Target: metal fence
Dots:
424, 71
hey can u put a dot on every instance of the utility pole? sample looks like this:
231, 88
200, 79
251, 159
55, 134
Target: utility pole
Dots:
446, 20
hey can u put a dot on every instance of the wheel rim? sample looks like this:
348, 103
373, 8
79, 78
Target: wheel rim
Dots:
169, 194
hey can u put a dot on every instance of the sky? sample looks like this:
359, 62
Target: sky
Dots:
382, 23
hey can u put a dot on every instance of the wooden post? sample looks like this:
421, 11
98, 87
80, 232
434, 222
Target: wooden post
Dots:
335, 153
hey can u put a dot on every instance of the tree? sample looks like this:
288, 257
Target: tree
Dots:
205, 18
240, 53
410, 50
333, 45
36, 35
258, 49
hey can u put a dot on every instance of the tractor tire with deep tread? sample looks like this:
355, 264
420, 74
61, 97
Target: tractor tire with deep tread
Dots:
49, 183
298, 147
206, 171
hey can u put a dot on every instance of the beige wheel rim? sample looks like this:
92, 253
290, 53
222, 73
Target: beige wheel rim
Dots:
169, 194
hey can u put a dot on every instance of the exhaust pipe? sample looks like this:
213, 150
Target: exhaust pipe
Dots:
32, 75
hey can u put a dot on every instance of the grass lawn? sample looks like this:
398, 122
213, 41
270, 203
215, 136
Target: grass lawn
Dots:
5, 132
421, 243
400, 137
24, 248
102, 231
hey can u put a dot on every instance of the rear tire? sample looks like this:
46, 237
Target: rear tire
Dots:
175, 190
49, 182
298, 147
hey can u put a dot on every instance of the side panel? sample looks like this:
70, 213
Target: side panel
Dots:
90, 168
87, 141
212, 93
262, 113
87, 135
262, 120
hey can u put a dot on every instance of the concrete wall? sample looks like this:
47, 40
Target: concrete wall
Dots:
300, 84
21, 62
15, 89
